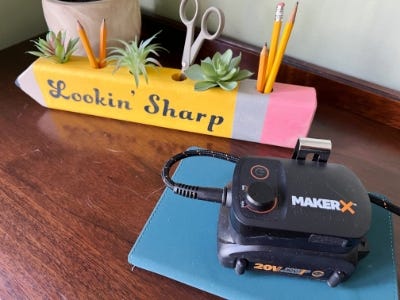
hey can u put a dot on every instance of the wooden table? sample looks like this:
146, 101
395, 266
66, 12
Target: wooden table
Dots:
76, 190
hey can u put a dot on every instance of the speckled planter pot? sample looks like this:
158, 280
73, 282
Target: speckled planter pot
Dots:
123, 19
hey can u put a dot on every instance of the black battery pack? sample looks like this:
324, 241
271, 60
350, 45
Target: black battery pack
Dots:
302, 216
295, 217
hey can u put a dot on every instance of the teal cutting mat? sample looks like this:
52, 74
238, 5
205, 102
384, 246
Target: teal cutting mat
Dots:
179, 242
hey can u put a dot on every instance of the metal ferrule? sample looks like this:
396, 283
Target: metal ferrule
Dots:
279, 12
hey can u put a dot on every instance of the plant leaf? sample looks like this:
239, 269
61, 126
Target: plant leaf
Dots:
208, 71
59, 53
136, 77
230, 75
235, 61
228, 85
194, 72
215, 59
242, 74
207, 60
226, 57
151, 60
71, 47
204, 85
36, 53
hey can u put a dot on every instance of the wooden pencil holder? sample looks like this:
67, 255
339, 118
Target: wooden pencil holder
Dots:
279, 118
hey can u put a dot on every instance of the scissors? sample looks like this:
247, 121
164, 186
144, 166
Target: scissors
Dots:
191, 49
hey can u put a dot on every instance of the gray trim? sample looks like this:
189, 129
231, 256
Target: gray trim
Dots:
250, 110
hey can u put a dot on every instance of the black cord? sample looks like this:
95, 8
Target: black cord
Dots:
196, 192
383, 201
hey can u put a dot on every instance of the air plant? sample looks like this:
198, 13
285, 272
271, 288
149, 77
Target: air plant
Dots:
135, 56
221, 70
55, 47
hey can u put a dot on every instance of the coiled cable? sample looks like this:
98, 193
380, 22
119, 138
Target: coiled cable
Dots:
196, 192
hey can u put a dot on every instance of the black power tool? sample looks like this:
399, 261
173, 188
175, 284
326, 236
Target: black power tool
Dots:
300, 216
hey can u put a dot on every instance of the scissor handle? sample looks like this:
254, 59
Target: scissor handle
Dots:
182, 12
191, 49
204, 20
204, 33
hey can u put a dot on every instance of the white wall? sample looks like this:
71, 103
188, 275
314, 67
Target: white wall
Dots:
20, 20
355, 37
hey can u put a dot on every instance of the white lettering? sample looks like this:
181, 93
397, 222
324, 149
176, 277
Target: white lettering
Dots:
335, 205
316, 203
297, 200
327, 203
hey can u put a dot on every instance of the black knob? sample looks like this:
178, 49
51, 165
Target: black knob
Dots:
260, 196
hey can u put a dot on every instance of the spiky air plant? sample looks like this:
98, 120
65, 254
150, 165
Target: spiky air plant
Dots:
221, 70
135, 56
55, 47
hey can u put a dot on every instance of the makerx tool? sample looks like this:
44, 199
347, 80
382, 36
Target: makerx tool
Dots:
301, 216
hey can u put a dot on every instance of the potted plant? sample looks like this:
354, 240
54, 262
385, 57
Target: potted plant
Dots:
55, 47
122, 16
135, 57
222, 70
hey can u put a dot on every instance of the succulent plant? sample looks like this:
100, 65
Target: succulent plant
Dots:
222, 70
55, 47
135, 56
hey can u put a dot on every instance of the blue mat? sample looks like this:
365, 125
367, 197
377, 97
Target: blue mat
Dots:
179, 242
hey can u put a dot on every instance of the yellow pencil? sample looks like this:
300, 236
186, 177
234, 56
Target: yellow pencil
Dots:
274, 38
262, 65
281, 50
103, 45
86, 45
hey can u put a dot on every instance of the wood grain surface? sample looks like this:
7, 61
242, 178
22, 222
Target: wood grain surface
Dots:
76, 190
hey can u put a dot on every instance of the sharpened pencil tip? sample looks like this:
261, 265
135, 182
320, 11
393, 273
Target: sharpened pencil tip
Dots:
294, 12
